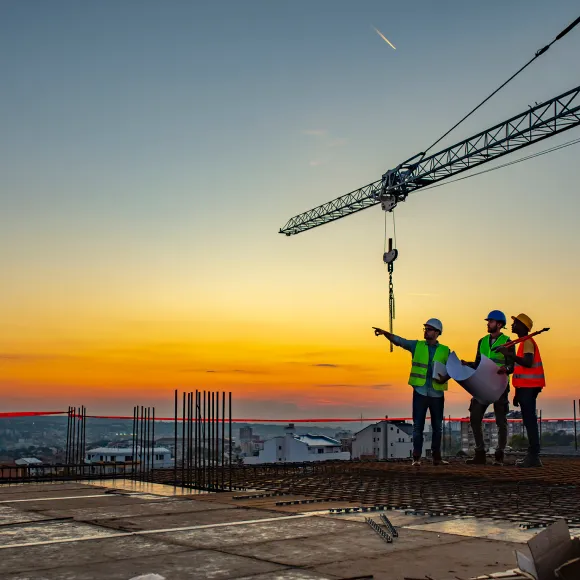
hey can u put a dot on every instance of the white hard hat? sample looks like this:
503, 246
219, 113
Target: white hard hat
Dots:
435, 323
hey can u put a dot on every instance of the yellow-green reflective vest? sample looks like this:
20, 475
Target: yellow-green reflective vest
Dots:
485, 348
420, 364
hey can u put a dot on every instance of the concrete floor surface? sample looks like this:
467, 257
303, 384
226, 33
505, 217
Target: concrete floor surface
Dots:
60, 531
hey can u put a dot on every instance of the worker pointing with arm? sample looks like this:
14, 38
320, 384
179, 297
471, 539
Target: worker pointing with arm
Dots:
528, 380
496, 321
428, 392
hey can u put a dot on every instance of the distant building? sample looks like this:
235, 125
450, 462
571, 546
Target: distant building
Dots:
245, 434
345, 437
251, 448
292, 448
384, 440
158, 457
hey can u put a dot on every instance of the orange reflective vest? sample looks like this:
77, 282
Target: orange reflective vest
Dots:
529, 377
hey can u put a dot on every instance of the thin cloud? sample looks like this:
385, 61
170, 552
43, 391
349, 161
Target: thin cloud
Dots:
315, 132
25, 357
341, 142
377, 387
315, 163
385, 38
326, 365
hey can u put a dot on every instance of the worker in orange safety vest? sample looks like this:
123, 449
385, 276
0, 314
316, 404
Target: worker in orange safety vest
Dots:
529, 380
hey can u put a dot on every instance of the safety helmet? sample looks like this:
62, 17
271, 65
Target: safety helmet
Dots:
525, 320
497, 315
435, 323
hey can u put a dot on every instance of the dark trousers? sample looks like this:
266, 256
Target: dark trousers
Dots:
527, 399
421, 405
477, 411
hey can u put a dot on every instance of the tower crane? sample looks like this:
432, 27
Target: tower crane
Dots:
537, 123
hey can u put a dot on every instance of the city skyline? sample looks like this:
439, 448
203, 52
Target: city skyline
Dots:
150, 154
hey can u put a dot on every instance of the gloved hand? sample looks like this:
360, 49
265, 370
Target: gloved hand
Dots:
516, 402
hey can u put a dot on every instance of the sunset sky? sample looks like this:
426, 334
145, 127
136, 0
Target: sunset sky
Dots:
150, 151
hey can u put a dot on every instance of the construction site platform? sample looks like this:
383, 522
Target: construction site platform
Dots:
122, 529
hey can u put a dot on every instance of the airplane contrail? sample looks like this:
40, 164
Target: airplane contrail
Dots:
385, 38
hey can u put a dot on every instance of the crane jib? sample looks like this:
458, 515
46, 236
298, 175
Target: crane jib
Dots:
540, 122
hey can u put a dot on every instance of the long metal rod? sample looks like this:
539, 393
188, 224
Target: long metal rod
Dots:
217, 439
66, 454
183, 441
230, 436
196, 438
175, 441
203, 447
223, 464
190, 439
153, 439
575, 431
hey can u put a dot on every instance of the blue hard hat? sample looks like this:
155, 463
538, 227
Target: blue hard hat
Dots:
497, 315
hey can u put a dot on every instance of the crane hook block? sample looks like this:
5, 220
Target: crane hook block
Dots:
390, 256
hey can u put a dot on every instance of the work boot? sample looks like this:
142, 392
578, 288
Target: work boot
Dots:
437, 460
499, 457
416, 460
529, 461
479, 459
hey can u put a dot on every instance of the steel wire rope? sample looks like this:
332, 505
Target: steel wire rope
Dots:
539, 53
503, 165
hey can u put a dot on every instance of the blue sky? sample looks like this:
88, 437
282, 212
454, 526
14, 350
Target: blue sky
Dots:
150, 151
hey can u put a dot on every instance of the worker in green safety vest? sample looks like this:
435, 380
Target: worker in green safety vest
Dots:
429, 386
496, 321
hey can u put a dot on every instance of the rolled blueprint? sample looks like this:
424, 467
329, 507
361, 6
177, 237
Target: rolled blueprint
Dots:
483, 383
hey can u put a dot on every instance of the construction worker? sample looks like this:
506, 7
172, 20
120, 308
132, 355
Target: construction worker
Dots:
528, 380
428, 391
496, 321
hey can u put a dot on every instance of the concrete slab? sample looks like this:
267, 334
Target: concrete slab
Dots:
80, 502
460, 559
245, 535
177, 520
12, 515
358, 544
34, 488
169, 506
14, 560
198, 564
147, 487
49, 531
290, 575
53, 493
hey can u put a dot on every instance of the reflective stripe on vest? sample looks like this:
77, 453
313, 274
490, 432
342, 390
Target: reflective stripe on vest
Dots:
485, 348
420, 364
529, 377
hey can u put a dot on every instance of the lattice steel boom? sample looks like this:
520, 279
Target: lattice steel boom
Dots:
537, 123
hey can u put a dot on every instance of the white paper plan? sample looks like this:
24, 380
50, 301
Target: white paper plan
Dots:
483, 383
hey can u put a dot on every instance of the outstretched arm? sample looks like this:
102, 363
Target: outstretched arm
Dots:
396, 340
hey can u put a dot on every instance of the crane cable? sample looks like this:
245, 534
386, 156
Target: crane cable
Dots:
537, 55
526, 158
392, 245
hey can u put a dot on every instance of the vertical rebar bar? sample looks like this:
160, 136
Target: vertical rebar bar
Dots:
217, 440
196, 448
175, 441
78, 442
540, 426
153, 436
190, 442
68, 418
142, 439
84, 439
133, 453
575, 431
230, 435
203, 472
183, 442
223, 465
